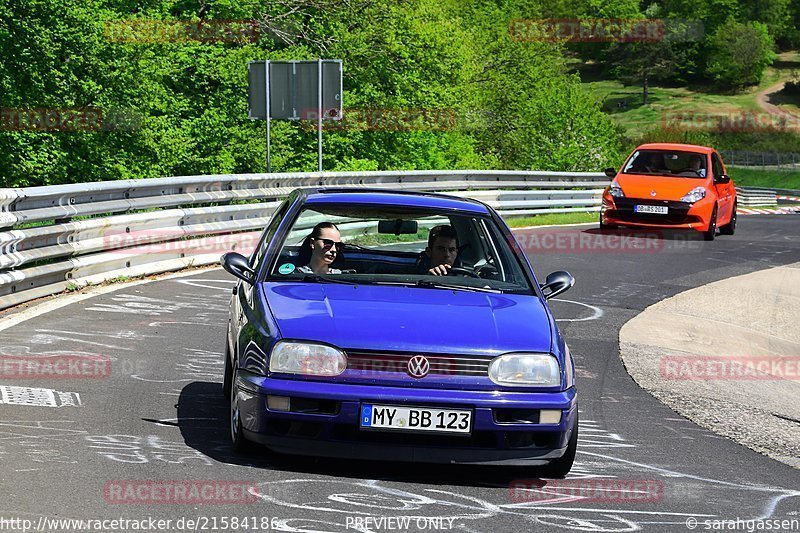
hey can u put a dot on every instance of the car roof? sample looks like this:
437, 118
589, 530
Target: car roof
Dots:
340, 195
676, 147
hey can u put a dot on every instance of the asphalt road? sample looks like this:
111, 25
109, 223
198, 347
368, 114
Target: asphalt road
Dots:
90, 445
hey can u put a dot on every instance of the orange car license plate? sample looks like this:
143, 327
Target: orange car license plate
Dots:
656, 209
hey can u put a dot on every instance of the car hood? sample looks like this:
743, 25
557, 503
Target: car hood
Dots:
409, 319
665, 187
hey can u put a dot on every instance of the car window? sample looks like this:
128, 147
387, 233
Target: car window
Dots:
716, 165
390, 245
667, 163
269, 233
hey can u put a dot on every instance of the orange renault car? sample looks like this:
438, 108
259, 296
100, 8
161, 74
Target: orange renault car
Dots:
671, 186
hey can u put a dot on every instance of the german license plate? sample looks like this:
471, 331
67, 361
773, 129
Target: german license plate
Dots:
406, 418
656, 209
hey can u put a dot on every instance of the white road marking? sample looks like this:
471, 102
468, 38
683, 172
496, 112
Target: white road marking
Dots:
596, 312
38, 397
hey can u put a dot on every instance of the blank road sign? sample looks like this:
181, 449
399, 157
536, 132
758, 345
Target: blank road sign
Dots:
306, 82
257, 87
280, 90
294, 89
332, 90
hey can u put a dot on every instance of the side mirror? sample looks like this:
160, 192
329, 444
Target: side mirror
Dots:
237, 265
556, 283
722, 178
610, 172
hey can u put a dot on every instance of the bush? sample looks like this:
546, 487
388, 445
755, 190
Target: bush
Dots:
739, 54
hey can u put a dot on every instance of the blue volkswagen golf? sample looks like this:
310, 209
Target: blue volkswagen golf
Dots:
397, 326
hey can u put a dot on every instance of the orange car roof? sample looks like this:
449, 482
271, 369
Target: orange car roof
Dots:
676, 147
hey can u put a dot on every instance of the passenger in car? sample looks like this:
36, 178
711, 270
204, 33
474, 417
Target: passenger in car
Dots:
649, 163
321, 249
441, 253
697, 166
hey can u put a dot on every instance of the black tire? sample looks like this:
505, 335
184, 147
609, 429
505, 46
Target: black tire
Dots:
559, 468
730, 227
711, 232
227, 378
239, 442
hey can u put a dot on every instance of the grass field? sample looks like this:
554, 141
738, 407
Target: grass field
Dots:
552, 219
779, 179
636, 118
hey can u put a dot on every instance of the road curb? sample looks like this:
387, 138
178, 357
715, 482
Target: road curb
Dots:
750, 319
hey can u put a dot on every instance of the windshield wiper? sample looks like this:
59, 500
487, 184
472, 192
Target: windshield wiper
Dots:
319, 278
428, 284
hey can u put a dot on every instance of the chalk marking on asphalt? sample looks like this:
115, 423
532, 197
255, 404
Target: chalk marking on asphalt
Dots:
596, 311
13, 319
194, 283
38, 397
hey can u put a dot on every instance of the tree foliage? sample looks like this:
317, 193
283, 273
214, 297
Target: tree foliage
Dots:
179, 107
739, 53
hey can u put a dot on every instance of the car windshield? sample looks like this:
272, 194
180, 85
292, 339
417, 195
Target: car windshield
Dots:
667, 163
393, 245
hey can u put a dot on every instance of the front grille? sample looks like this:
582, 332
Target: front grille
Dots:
678, 211
441, 365
476, 439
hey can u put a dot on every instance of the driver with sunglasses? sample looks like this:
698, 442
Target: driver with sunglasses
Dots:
325, 245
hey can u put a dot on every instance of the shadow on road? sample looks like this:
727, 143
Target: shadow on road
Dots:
203, 422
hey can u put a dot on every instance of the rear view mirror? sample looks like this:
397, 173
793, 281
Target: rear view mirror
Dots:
723, 178
610, 172
398, 227
557, 283
237, 265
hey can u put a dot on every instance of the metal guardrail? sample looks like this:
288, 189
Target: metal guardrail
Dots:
62, 235
751, 196
739, 158
55, 237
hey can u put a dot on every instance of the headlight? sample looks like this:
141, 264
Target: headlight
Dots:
616, 190
695, 195
525, 370
307, 358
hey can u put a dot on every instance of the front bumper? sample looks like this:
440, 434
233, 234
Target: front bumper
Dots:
681, 215
336, 432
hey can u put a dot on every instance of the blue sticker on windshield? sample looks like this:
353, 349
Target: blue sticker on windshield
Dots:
286, 268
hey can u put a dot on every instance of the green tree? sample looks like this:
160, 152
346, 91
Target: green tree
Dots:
642, 62
739, 53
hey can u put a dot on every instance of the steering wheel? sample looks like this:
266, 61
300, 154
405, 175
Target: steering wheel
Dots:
455, 271
695, 170
486, 271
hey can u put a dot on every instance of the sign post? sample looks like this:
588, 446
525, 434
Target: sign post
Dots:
319, 114
295, 90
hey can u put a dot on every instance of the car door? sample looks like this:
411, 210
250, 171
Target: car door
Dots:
724, 194
241, 306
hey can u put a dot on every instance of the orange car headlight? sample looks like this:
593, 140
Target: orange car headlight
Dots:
695, 195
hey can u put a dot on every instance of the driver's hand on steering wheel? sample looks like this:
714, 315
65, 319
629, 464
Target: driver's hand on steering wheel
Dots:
440, 270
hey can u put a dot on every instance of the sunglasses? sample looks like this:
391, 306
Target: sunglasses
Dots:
329, 243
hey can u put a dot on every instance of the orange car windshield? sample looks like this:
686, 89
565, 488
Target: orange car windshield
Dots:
667, 163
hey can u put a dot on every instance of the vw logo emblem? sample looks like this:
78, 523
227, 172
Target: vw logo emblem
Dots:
418, 366
652, 193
